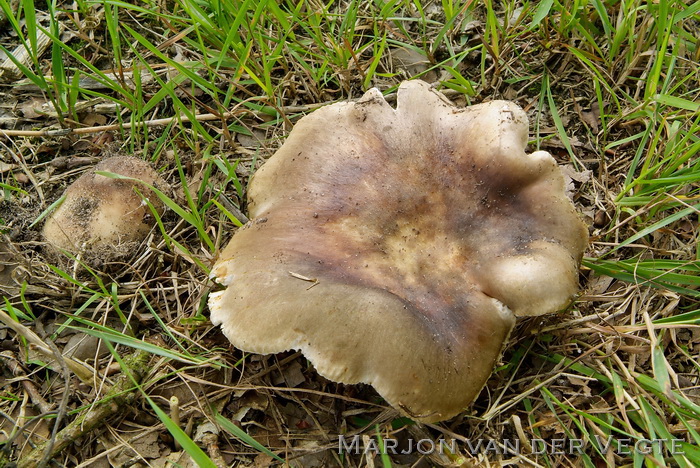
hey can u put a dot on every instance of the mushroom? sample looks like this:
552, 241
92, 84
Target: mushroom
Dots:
101, 212
396, 247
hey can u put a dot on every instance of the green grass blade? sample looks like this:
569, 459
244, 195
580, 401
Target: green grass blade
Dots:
243, 436
187, 444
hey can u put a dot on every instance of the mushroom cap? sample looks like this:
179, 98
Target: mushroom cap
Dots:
100, 211
396, 247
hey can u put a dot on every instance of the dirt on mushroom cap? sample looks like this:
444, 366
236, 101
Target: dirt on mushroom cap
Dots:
423, 230
103, 213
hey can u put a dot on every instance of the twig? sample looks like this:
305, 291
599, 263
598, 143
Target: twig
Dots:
175, 415
8, 68
51, 132
233, 209
61, 412
16, 368
208, 435
81, 370
120, 396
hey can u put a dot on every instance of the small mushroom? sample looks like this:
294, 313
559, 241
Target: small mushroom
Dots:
396, 247
104, 212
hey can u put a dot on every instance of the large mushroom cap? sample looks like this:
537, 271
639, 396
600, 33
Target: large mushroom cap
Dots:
395, 247
100, 211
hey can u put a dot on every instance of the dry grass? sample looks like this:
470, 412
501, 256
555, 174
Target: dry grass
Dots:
207, 91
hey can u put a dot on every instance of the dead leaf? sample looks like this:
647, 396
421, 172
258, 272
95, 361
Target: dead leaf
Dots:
412, 61
599, 285
149, 446
4, 167
84, 347
93, 120
255, 140
291, 376
180, 459
580, 383
592, 117
571, 175
33, 108
589, 119
12, 269
37, 428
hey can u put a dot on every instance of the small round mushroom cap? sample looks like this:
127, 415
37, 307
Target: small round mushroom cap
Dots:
100, 211
396, 247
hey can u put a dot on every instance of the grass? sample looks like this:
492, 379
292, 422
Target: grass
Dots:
612, 88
